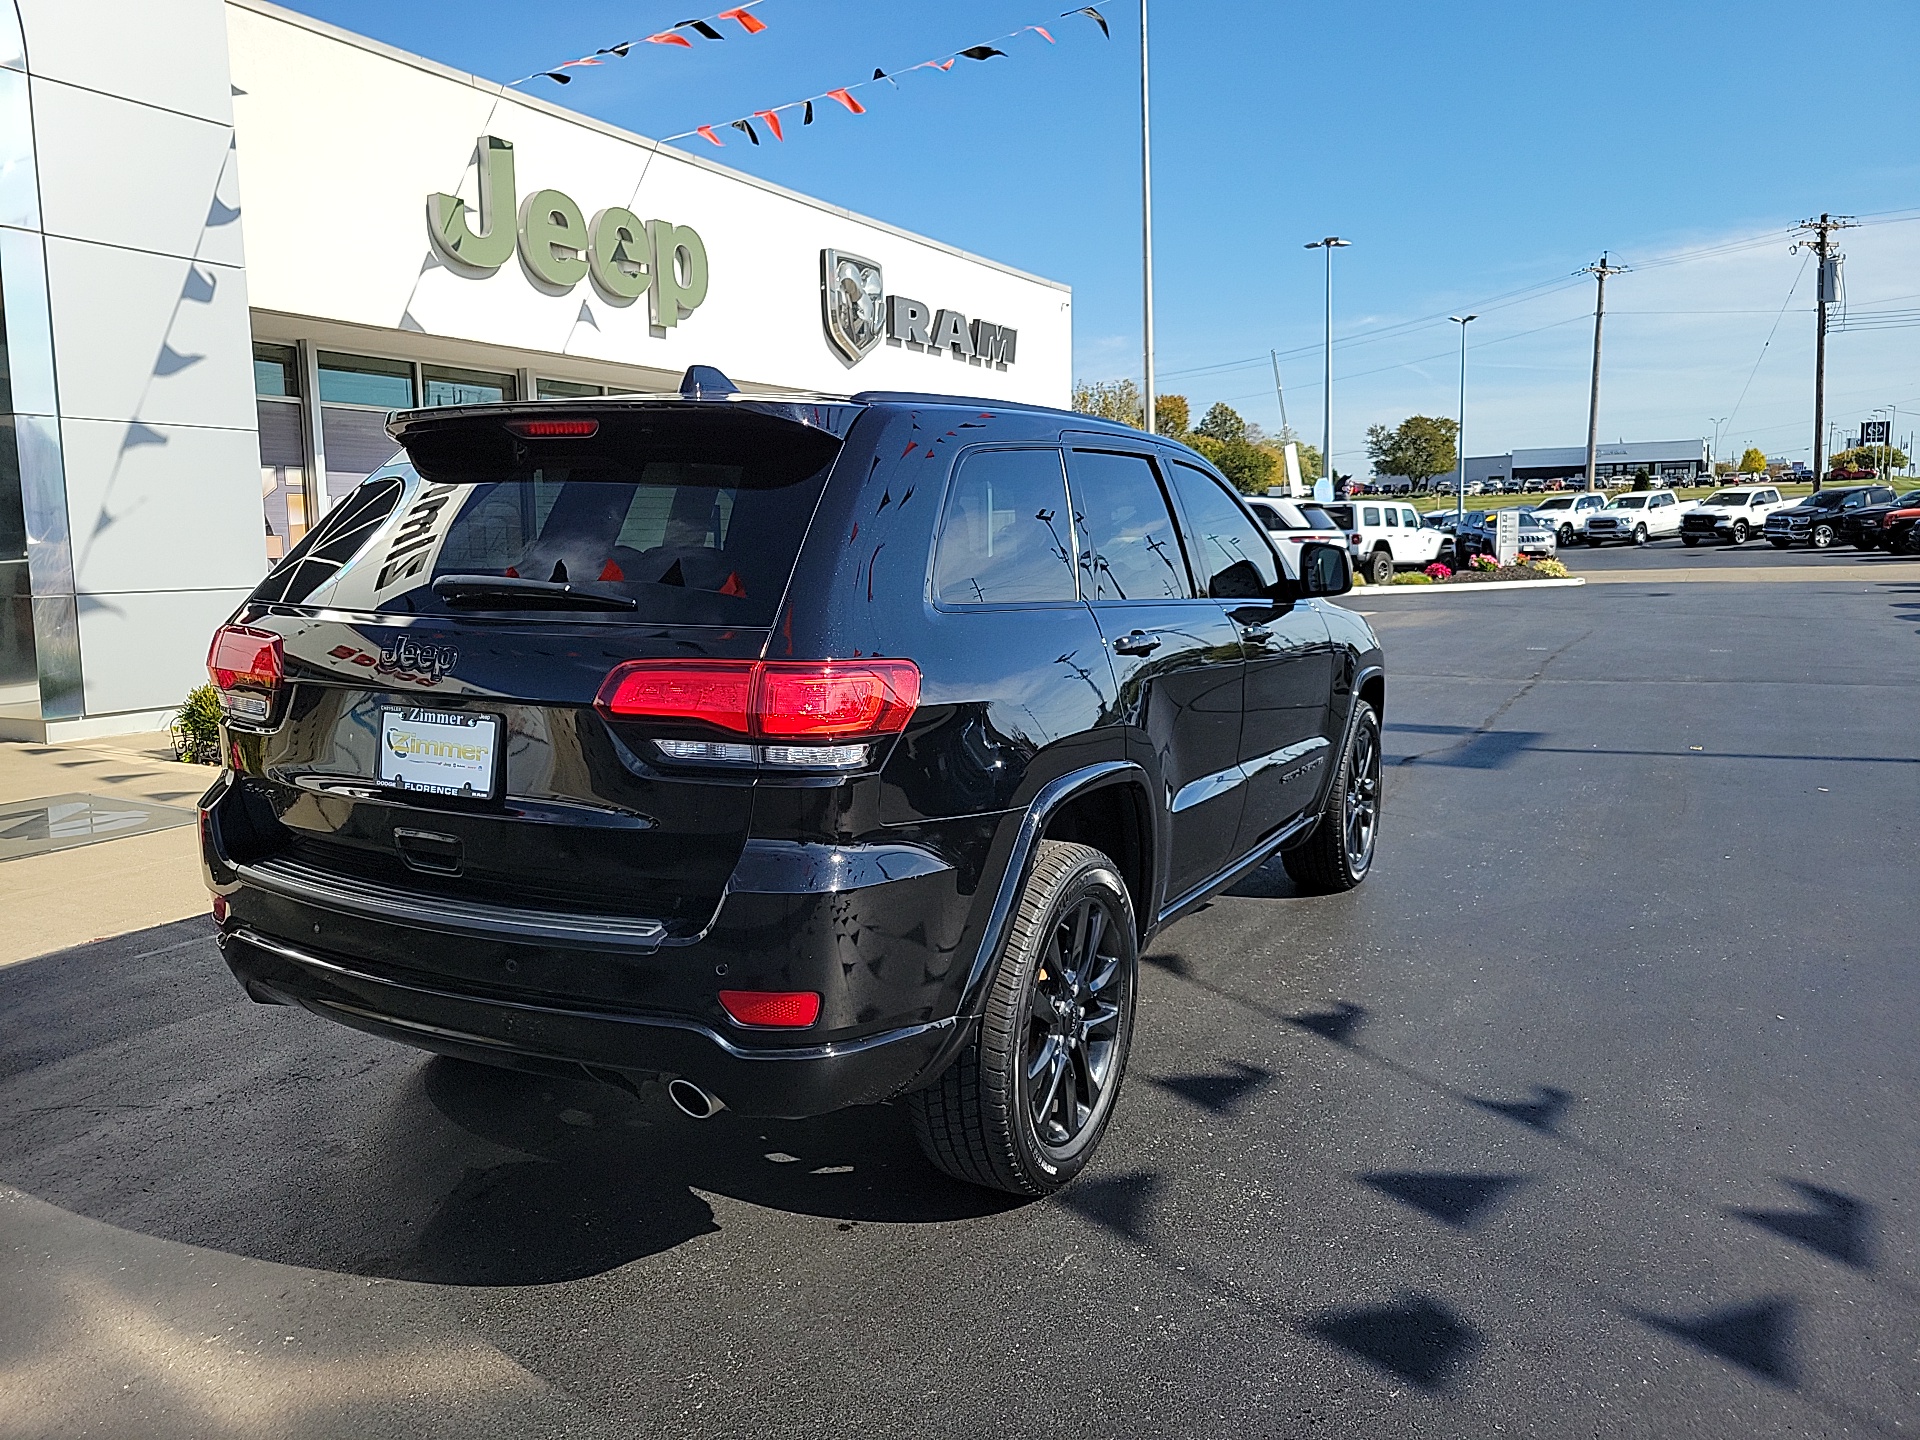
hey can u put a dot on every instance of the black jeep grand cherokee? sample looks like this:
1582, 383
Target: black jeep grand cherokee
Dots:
803, 753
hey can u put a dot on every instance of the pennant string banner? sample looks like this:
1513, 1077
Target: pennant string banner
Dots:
845, 96
707, 27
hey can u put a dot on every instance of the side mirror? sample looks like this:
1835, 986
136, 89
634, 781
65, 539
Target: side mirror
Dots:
1325, 569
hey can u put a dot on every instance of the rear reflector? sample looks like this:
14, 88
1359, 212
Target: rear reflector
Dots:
246, 667
784, 1009
220, 909
554, 429
769, 699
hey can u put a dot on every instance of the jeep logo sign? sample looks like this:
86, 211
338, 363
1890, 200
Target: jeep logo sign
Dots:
625, 256
858, 313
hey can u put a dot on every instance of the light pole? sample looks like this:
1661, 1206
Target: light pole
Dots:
1328, 244
1880, 465
1713, 456
1460, 436
1146, 224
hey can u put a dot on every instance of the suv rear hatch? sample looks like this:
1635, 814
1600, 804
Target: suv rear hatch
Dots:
445, 632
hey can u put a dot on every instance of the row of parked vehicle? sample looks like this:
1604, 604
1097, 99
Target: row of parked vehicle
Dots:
1384, 535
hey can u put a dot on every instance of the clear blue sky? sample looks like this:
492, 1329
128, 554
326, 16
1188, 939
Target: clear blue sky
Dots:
1469, 150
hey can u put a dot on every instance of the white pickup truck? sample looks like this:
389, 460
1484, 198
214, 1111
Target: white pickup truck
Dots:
1636, 518
1385, 535
1732, 515
1567, 512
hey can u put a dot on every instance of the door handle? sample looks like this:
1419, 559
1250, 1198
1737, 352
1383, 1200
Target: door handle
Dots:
1137, 643
1255, 633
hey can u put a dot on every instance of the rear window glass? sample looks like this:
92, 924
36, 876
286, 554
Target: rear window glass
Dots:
1005, 538
1319, 519
658, 518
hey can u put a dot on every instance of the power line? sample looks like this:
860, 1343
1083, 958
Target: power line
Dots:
1798, 275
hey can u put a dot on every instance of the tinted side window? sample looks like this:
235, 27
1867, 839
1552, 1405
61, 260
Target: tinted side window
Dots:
1410, 518
1232, 556
1393, 517
1128, 548
1005, 539
1369, 515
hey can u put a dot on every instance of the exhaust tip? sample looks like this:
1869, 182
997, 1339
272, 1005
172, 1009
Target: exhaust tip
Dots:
693, 1102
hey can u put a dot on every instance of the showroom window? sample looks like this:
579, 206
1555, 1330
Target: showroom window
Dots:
443, 385
566, 390
365, 380
276, 371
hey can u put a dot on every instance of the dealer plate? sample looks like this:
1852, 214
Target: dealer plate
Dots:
443, 752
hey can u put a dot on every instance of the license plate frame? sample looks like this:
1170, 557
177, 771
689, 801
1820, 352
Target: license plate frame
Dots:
429, 752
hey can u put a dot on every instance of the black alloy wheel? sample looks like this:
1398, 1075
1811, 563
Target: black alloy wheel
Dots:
1823, 536
1023, 1108
1339, 853
1739, 532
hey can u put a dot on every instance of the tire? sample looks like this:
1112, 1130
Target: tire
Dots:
1380, 567
1689, 541
1639, 534
1823, 537
1867, 545
1333, 858
1043, 1025
1778, 544
1565, 537
1740, 532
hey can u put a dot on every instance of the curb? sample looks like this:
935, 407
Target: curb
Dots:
1369, 591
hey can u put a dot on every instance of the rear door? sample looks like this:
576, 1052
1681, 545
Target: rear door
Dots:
1177, 656
1283, 724
446, 641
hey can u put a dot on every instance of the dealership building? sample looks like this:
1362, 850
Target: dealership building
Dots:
233, 238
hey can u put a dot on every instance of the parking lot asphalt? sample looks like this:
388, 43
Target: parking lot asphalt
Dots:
1595, 1111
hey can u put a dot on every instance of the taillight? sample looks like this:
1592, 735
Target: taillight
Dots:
820, 700
781, 1009
246, 667
1355, 537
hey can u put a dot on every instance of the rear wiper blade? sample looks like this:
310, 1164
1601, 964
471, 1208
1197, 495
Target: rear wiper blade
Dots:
555, 594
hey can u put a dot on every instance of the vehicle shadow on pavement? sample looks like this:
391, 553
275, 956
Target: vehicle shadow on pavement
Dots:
140, 1090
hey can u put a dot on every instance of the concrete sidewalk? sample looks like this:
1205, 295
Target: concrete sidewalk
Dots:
111, 886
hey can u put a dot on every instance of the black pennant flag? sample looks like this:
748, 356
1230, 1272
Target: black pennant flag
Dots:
808, 119
744, 128
981, 52
1093, 15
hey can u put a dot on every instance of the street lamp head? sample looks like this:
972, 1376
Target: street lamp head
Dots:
1331, 242
1462, 319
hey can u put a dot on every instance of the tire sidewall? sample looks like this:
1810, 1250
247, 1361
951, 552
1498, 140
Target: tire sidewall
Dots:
1363, 719
1048, 1169
1822, 537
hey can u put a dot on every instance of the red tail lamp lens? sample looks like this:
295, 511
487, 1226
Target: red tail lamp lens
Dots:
782, 1009
243, 657
830, 701
772, 700
717, 692
554, 429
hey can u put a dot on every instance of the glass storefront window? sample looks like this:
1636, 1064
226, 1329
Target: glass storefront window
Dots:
365, 380
276, 370
566, 389
446, 386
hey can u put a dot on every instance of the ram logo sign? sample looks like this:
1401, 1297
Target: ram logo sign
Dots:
859, 313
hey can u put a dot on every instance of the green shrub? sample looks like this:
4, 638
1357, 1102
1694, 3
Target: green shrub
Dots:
196, 727
1413, 577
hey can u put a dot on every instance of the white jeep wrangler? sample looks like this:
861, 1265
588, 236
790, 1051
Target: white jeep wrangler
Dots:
1386, 535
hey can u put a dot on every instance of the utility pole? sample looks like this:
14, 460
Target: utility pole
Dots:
1713, 456
1460, 436
1329, 244
1146, 222
1821, 242
1600, 271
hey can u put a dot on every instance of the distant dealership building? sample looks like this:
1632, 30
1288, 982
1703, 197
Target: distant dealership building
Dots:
233, 238
1668, 462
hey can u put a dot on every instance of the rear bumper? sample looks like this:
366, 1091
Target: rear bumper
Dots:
785, 1082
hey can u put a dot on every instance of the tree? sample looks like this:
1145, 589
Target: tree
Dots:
1222, 422
1420, 448
1117, 400
1753, 461
1250, 468
1171, 415
1871, 457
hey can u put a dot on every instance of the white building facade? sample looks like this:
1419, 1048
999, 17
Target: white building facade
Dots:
220, 273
